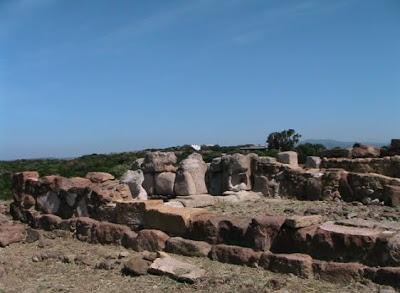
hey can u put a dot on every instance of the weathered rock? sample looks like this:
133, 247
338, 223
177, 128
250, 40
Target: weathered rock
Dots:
197, 200
174, 221
184, 184
236, 172
187, 247
232, 230
49, 222
338, 272
365, 151
344, 243
148, 183
11, 233
261, 184
134, 179
157, 162
137, 164
235, 255
386, 275
99, 177
109, 233
136, 266
313, 162
110, 191
49, 203
164, 183
132, 213
205, 227
178, 270
151, 240
191, 176
302, 221
174, 204
32, 235
336, 153
392, 195
19, 182
262, 232
295, 263
292, 240
289, 158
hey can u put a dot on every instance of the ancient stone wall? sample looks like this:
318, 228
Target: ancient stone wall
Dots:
388, 166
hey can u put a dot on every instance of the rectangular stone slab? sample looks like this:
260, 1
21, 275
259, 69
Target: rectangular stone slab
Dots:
173, 221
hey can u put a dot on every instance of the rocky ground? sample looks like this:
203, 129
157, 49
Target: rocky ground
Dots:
55, 262
329, 210
75, 266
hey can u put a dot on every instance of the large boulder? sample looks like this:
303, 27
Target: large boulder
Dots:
99, 177
157, 162
19, 182
230, 173
134, 179
262, 232
313, 162
164, 183
174, 221
289, 158
365, 151
190, 178
295, 263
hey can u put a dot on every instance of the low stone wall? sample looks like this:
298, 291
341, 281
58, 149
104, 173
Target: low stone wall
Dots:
388, 166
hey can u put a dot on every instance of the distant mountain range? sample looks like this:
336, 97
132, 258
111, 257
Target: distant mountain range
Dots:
330, 143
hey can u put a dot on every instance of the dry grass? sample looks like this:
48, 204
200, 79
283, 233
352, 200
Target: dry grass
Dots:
328, 209
24, 275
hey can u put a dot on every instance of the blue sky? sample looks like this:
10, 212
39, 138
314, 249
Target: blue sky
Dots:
97, 76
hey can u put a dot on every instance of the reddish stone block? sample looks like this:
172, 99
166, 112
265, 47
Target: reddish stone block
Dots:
296, 263
262, 232
234, 255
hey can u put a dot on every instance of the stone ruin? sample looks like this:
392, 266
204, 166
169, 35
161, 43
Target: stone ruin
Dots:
159, 206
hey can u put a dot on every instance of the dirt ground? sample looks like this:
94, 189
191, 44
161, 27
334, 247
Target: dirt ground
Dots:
330, 210
81, 275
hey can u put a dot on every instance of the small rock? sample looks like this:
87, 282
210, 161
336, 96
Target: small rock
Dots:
123, 254
375, 202
68, 258
366, 200
136, 266
35, 258
275, 284
351, 215
32, 235
175, 269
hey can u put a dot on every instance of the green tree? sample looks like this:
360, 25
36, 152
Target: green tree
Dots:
285, 140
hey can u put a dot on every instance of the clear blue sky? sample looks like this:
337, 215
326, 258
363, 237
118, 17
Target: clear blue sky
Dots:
80, 77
